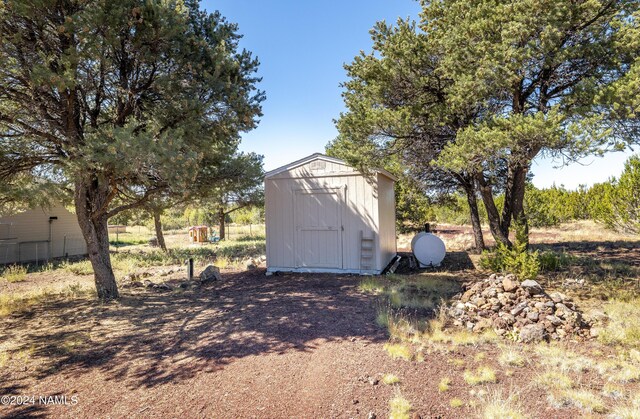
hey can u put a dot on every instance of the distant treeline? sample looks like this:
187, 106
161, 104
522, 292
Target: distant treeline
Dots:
182, 217
615, 204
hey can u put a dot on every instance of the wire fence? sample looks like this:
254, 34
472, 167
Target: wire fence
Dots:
40, 251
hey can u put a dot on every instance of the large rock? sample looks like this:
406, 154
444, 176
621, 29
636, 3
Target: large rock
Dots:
509, 284
482, 325
532, 287
532, 333
467, 295
519, 308
210, 273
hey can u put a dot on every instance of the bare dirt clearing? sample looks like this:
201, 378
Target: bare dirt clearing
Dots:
250, 346
309, 345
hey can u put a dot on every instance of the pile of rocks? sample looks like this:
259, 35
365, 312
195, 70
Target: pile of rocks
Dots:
517, 309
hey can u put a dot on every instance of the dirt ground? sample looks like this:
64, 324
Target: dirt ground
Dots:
249, 346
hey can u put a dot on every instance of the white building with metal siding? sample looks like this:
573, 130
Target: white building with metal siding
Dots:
40, 234
324, 216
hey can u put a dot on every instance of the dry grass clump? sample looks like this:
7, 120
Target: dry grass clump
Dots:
556, 356
613, 390
511, 356
562, 392
580, 398
18, 302
416, 292
399, 407
553, 380
482, 375
627, 374
4, 358
456, 362
82, 267
12, 303
628, 411
15, 273
371, 285
499, 407
390, 379
458, 337
398, 350
621, 372
624, 323
444, 385
455, 403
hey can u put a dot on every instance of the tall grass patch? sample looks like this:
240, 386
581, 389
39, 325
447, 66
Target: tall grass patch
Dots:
399, 407
14, 273
498, 406
624, 323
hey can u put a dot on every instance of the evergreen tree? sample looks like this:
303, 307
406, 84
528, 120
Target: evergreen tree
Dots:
119, 100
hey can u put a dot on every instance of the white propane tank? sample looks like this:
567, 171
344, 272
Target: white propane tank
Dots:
428, 249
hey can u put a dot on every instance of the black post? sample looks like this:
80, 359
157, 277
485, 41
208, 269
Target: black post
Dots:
190, 269
427, 228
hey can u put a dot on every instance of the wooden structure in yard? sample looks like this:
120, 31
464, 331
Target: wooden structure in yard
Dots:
324, 216
117, 229
198, 234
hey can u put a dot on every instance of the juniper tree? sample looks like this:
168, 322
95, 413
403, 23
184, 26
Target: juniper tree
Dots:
478, 89
542, 69
233, 184
122, 98
397, 112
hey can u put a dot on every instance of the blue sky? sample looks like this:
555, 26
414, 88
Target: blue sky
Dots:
302, 46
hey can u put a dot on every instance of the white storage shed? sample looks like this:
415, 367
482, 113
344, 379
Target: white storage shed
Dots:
324, 216
40, 234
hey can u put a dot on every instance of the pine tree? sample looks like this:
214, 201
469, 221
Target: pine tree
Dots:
117, 101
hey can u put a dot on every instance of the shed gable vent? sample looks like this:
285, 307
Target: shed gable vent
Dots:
318, 165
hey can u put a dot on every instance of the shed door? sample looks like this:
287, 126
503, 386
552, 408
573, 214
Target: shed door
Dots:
318, 218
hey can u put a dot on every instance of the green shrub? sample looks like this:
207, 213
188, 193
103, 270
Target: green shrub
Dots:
517, 259
554, 261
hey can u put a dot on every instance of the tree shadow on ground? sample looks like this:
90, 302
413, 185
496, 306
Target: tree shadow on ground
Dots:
453, 262
608, 251
149, 338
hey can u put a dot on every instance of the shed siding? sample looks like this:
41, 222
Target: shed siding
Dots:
362, 211
359, 213
32, 226
387, 211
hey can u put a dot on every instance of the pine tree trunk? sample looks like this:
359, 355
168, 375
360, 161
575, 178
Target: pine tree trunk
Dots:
90, 195
492, 213
507, 208
475, 219
519, 216
221, 223
158, 225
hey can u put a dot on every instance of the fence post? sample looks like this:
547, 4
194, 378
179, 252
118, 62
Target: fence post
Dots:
64, 246
190, 269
